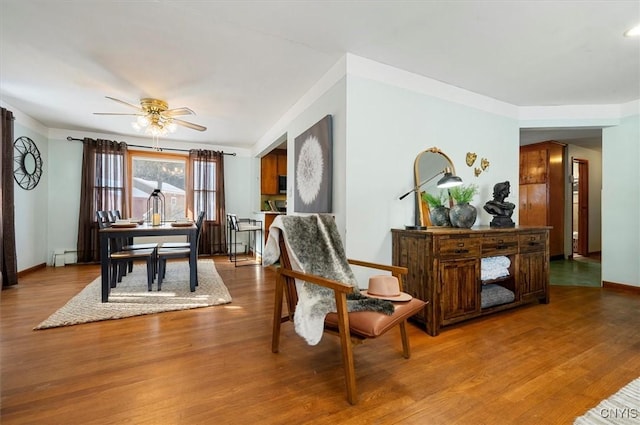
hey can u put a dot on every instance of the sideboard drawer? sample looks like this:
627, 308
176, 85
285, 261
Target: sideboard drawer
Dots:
531, 242
458, 247
501, 244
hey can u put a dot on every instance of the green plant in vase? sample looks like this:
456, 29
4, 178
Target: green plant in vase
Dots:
463, 194
463, 214
438, 213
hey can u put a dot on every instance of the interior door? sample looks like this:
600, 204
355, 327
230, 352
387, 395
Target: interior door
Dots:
580, 222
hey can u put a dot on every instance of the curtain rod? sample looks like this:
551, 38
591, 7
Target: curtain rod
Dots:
71, 139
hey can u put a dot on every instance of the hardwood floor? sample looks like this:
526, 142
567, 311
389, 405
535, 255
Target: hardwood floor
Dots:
540, 364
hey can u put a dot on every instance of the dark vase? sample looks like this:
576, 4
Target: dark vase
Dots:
440, 216
463, 215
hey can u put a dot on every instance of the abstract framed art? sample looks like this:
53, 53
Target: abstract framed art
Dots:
314, 168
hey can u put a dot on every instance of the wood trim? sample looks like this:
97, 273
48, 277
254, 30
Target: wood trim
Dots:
621, 287
32, 269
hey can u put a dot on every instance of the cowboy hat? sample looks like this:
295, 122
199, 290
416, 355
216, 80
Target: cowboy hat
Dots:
385, 287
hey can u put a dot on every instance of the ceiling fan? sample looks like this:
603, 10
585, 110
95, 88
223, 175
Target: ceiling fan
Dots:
155, 117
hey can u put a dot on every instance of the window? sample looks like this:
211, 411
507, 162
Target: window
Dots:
204, 188
108, 185
149, 171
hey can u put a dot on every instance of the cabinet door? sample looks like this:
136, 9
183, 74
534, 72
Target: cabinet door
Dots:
533, 275
533, 204
534, 166
268, 220
269, 175
412, 251
460, 283
282, 165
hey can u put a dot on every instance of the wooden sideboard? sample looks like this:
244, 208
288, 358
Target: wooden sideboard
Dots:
445, 269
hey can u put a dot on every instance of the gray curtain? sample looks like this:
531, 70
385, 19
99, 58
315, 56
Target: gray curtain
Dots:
7, 212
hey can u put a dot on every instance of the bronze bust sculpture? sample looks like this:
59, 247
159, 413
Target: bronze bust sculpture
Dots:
499, 208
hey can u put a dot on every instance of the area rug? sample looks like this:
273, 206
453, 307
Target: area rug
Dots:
622, 408
131, 298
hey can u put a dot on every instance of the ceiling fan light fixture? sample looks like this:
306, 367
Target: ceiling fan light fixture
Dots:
155, 117
143, 121
156, 130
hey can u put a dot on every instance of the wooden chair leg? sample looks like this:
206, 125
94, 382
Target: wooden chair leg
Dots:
347, 349
277, 314
406, 348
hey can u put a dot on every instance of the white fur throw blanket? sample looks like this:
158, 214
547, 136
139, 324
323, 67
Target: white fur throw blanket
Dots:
315, 247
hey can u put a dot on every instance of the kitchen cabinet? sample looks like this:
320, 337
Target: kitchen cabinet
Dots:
272, 165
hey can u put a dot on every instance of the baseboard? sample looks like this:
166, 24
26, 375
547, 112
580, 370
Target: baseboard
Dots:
32, 269
621, 287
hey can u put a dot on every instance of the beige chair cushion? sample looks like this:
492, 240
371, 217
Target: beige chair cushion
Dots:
371, 324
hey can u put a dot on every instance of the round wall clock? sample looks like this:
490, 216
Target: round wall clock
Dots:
27, 168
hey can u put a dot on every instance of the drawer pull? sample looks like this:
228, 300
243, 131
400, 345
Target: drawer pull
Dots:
533, 243
501, 246
461, 251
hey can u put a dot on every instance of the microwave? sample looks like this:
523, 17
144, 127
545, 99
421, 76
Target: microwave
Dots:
282, 184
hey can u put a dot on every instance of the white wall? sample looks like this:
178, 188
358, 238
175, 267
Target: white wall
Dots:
331, 102
621, 202
387, 127
65, 161
31, 206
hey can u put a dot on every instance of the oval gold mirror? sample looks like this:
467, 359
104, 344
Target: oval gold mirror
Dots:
428, 165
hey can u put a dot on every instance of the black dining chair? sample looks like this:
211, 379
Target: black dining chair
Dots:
168, 251
249, 226
128, 244
187, 244
119, 259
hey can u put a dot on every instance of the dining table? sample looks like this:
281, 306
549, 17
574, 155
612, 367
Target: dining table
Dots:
135, 230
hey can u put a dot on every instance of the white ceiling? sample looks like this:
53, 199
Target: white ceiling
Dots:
240, 65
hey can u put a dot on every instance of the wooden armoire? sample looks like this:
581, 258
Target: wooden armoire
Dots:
542, 200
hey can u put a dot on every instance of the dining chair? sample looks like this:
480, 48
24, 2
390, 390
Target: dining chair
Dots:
119, 259
174, 250
187, 244
127, 244
249, 226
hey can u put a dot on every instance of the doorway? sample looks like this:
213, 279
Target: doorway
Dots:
580, 207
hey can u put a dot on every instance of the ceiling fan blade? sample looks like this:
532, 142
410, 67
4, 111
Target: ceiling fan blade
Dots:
125, 103
178, 111
117, 113
189, 125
